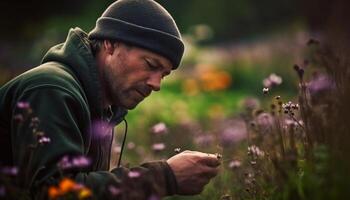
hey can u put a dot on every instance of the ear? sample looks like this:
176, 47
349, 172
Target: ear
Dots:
108, 46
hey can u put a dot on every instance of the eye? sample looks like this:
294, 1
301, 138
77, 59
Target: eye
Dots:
156, 68
151, 66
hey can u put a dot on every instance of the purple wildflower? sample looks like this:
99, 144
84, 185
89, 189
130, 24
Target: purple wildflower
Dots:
233, 135
114, 190
64, 163
250, 103
204, 140
265, 120
101, 129
234, 164
74, 162
158, 146
159, 129
81, 162
12, 171
23, 105
235, 132
255, 151
272, 81
44, 140
292, 123
320, 86
134, 174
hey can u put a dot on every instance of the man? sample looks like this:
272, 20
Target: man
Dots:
67, 106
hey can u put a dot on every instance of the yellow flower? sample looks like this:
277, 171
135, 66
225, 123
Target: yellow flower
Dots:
84, 193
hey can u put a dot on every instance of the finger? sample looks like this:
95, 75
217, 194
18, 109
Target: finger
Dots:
210, 172
188, 151
210, 160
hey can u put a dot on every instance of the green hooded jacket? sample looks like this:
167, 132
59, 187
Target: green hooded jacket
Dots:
61, 100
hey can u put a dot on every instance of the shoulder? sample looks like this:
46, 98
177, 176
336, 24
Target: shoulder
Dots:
50, 78
50, 75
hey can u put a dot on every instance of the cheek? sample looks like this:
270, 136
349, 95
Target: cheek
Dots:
135, 77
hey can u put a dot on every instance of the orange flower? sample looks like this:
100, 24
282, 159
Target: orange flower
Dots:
215, 79
54, 192
67, 185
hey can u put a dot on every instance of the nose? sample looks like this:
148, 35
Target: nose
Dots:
154, 81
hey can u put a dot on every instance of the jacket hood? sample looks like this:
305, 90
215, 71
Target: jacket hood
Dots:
75, 53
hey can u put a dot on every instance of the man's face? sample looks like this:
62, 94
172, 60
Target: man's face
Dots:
132, 73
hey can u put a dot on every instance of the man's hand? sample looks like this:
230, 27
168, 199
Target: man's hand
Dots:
193, 170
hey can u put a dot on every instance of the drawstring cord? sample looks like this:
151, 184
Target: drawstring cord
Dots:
123, 144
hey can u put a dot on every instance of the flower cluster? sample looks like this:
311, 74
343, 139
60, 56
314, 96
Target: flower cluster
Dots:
272, 81
77, 162
289, 108
69, 188
255, 151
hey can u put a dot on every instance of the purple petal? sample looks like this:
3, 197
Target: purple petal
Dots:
23, 105
101, 129
158, 146
134, 174
160, 128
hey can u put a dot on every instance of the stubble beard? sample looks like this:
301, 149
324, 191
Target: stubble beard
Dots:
111, 88
120, 96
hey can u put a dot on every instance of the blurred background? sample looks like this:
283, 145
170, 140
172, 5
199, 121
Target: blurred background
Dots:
29, 28
231, 46
234, 49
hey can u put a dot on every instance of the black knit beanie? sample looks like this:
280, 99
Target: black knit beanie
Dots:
143, 23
